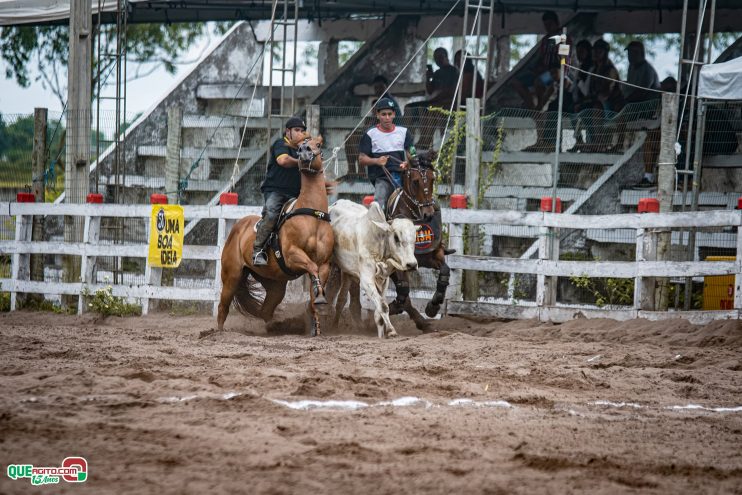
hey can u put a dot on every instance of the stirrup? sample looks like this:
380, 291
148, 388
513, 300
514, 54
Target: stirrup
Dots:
259, 258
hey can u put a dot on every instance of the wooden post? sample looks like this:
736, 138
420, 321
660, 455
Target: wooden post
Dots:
666, 188
455, 241
39, 165
77, 163
738, 275
89, 265
548, 249
224, 226
20, 263
172, 154
644, 287
471, 185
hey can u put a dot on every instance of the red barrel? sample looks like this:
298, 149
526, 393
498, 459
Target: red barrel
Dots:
25, 197
228, 198
367, 200
458, 201
649, 205
546, 204
739, 203
158, 199
94, 198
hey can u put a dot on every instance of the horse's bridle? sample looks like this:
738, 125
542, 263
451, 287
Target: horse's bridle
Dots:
306, 156
409, 199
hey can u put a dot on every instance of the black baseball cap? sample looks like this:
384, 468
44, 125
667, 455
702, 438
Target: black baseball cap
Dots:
384, 104
296, 122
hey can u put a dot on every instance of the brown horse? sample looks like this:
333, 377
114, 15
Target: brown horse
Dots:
416, 200
305, 243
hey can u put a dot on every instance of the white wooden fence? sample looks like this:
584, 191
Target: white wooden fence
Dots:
546, 268
91, 247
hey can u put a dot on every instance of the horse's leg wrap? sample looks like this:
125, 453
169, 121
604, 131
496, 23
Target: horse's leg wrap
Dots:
403, 292
319, 294
431, 309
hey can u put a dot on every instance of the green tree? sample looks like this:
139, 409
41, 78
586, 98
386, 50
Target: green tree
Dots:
41, 53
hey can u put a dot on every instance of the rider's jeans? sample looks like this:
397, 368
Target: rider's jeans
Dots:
382, 190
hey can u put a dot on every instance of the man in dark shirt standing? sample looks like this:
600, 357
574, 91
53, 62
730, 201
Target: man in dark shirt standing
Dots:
384, 147
282, 182
441, 87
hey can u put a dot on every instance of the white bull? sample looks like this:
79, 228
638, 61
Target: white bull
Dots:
368, 249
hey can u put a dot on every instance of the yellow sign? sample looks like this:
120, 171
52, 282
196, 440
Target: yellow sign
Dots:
166, 228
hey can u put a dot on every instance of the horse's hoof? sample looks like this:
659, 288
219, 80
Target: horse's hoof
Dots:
396, 308
432, 309
424, 326
391, 334
447, 251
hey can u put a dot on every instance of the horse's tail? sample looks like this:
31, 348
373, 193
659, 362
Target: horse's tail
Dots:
250, 295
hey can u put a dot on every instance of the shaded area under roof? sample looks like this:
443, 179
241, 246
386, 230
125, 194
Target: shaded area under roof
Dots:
55, 11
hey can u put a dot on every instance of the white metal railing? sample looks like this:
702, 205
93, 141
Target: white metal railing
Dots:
546, 267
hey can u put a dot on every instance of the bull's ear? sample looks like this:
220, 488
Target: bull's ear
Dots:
377, 216
375, 213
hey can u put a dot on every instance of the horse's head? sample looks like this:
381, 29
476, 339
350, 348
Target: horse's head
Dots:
310, 155
418, 183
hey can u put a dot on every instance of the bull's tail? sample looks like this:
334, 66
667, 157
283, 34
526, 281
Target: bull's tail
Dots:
250, 295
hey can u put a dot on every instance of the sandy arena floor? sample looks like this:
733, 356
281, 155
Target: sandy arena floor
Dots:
589, 406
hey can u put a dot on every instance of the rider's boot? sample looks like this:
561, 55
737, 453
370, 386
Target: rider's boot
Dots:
264, 229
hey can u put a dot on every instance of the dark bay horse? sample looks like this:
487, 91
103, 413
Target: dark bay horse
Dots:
416, 200
305, 243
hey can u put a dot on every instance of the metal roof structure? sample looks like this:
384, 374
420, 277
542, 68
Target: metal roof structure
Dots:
14, 12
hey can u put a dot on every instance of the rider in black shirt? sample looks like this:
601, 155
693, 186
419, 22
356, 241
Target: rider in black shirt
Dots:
282, 182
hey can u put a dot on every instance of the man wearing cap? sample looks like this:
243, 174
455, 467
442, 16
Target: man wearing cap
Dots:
282, 182
384, 147
641, 73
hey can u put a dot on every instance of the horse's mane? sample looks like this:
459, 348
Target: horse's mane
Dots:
427, 158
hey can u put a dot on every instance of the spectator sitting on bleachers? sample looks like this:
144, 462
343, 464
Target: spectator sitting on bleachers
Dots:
441, 87
441, 84
544, 70
580, 87
604, 99
466, 78
640, 73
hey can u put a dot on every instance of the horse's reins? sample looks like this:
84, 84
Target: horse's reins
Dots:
406, 196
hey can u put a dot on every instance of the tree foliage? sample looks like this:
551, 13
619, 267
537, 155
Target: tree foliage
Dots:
40, 53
